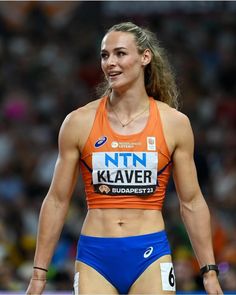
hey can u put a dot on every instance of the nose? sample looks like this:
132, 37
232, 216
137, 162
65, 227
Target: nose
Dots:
111, 61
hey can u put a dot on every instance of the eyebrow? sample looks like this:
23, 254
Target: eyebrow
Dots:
115, 49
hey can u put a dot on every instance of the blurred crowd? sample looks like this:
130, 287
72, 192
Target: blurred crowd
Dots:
49, 66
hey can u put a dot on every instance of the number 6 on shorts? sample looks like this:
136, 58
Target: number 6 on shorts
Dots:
167, 276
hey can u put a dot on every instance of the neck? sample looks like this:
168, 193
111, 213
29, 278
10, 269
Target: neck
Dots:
128, 102
127, 110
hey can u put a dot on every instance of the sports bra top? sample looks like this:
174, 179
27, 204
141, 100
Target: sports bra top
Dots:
125, 171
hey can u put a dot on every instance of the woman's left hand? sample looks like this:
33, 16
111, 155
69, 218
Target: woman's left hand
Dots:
211, 283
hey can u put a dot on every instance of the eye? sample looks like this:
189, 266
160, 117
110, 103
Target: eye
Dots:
121, 53
104, 55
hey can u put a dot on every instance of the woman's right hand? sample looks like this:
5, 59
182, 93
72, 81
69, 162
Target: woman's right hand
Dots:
36, 286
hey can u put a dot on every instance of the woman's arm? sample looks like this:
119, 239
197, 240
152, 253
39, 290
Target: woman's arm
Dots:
193, 208
55, 205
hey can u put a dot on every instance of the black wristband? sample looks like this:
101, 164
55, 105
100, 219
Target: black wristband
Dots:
37, 267
209, 267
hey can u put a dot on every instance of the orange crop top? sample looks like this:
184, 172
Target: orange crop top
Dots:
125, 171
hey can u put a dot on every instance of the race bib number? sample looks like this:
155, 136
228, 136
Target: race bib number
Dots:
167, 276
76, 284
125, 173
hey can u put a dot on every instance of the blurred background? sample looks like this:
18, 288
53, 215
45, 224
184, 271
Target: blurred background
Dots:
49, 66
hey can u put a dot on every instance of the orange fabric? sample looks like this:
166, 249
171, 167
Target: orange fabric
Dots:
136, 150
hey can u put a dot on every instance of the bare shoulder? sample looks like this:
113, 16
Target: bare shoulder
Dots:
79, 122
173, 117
176, 125
171, 113
83, 114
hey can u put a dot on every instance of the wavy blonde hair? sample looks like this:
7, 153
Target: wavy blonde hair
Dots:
159, 77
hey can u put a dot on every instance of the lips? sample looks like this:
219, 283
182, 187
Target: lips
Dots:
113, 74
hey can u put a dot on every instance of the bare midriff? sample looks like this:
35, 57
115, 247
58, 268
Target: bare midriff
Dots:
122, 222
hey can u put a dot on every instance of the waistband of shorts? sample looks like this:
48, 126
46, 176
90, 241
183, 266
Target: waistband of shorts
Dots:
161, 235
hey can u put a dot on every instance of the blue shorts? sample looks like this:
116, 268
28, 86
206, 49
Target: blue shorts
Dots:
122, 260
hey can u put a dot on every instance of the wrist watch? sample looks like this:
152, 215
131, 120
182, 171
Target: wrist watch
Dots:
209, 267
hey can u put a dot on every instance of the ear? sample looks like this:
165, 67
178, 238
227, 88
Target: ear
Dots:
146, 57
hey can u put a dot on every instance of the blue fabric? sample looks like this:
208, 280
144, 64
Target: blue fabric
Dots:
122, 260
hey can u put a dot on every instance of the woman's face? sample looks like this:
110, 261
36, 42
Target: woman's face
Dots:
121, 63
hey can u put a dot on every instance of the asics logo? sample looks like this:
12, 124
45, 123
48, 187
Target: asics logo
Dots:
100, 141
148, 252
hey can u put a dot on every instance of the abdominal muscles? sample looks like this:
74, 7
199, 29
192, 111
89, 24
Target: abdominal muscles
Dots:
122, 222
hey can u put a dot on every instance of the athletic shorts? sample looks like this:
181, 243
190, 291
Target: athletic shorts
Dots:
121, 260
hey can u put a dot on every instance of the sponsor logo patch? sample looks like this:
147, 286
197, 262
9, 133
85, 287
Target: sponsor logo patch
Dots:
104, 189
148, 252
114, 144
100, 141
125, 173
127, 145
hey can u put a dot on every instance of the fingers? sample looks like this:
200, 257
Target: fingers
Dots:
36, 286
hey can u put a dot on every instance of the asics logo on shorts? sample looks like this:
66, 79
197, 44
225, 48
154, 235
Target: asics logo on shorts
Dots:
148, 252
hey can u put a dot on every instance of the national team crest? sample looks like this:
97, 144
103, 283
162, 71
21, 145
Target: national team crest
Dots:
151, 143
